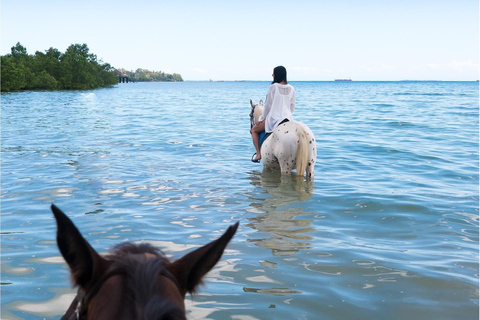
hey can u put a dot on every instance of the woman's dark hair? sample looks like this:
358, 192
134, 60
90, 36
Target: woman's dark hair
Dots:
279, 74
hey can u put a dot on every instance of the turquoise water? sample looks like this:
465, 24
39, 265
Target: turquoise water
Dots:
387, 230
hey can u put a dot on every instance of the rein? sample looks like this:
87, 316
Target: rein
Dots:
81, 301
79, 305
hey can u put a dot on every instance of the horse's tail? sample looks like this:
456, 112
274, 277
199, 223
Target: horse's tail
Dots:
302, 151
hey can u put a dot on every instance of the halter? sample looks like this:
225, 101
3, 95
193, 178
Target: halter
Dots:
81, 301
252, 117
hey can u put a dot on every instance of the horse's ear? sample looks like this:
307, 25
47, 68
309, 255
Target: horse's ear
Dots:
84, 262
190, 269
251, 103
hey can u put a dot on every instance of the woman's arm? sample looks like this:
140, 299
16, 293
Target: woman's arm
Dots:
268, 103
292, 101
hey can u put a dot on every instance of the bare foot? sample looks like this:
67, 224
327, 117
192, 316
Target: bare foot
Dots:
257, 158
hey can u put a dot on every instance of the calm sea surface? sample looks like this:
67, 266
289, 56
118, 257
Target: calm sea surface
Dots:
387, 230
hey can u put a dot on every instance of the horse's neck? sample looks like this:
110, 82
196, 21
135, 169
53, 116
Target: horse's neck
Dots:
258, 112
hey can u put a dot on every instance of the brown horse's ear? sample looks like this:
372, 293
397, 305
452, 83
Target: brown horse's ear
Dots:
84, 262
251, 103
190, 269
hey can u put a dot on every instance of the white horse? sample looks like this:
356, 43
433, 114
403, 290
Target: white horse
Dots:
290, 146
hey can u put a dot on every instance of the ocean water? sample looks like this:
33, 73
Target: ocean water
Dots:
387, 230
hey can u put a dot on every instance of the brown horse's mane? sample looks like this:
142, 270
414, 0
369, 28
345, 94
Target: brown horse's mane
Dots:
140, 279
122, 249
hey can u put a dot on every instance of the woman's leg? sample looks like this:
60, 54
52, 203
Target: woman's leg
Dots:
259, 127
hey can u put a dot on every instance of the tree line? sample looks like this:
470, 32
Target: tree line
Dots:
54, 70
143, 75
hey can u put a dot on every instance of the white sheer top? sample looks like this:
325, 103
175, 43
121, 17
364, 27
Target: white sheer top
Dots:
279, 105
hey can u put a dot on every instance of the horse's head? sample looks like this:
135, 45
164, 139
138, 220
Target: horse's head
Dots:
256, 112
133, 281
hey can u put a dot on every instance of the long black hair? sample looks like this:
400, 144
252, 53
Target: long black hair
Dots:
279, 74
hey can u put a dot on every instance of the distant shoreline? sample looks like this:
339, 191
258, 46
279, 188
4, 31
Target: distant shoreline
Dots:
341, 83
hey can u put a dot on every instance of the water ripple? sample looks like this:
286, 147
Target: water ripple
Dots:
388, 227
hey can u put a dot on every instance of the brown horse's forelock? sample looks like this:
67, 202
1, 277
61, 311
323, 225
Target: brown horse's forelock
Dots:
140, 283
126, 248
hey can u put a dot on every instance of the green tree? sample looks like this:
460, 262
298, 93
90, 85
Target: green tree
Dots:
50, 62
77, 68
148, 76
74, 67
19, 53
13, 76
43, 80
23, 64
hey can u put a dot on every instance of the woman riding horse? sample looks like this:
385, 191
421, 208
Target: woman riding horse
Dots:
278, 108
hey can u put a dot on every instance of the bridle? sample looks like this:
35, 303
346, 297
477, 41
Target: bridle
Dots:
79, 306
252, 117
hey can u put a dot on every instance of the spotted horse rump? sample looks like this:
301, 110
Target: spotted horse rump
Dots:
291, 146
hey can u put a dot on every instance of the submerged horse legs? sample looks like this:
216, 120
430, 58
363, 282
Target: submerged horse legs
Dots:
310, 169
286, 164
286, 158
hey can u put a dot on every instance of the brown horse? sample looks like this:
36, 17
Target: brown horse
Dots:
132, 281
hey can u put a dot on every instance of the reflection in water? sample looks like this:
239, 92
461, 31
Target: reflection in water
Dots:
54, 306
278, 213
278, 206
274, 291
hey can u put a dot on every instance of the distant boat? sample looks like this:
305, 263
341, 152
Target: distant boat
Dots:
350, 79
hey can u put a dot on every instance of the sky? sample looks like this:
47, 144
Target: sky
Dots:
322, 40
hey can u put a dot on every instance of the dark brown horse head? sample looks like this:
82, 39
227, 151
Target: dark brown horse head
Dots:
132, 281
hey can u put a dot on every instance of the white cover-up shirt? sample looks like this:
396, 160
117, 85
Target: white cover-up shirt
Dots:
279, 105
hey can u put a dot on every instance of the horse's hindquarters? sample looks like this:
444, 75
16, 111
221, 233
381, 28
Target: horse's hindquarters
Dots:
269, 158
281, 148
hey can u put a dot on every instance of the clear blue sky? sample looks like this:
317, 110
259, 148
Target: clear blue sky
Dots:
245, 40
